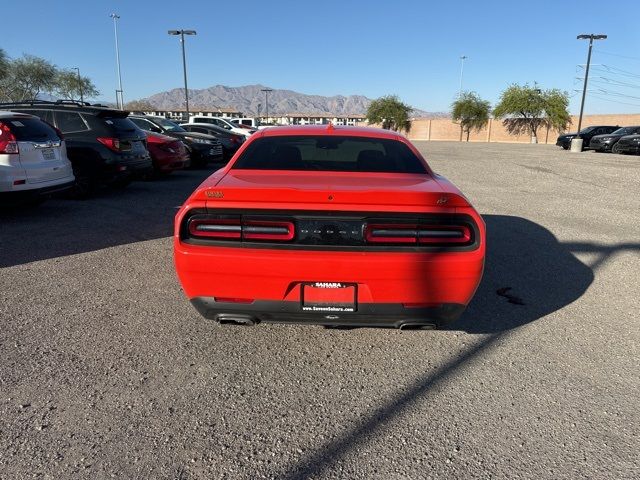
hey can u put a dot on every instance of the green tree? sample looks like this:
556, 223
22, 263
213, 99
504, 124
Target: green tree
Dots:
390, 112
524, 109
4, 64
139, 106
69, 86
471, 111
27, 77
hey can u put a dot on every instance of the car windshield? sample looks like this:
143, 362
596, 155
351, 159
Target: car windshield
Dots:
330, 153
586, 130
625, 131
169, 125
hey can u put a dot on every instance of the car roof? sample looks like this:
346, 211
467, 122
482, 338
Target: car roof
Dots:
328, 130
8, 114
100, 110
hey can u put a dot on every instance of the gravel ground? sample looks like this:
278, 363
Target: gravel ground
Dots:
106, 371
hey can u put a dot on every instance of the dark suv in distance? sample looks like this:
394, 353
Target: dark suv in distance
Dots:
586, 134
202, 148
231, 142
608, 141
103, 145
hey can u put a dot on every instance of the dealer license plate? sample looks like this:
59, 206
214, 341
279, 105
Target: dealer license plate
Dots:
328, 297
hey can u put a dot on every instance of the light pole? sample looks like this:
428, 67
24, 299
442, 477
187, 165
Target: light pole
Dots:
462, 59
266, 100
182, 33
77, 69
120, 101
576, 143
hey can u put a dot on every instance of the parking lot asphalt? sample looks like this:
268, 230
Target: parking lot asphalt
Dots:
106, 371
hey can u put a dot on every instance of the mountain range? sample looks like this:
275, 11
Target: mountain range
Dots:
250, 100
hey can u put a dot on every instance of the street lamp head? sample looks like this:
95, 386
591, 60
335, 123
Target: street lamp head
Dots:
114, 16
591, 36
181, 32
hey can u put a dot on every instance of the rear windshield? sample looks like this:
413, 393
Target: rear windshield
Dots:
31, 130
121, 124
330, 153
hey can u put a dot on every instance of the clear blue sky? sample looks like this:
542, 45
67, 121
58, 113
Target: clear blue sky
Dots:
328, 47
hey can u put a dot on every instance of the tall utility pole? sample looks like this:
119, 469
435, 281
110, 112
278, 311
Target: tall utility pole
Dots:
119, 101
266, 100
182, 33
462, 59
77, 69
576, 142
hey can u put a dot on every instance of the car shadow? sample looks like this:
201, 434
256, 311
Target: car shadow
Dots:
142, 211
528, 275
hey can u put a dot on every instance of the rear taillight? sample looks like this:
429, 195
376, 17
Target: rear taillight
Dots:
8, 143
111, 143
417, 234
221, 228
240, 229
268, 230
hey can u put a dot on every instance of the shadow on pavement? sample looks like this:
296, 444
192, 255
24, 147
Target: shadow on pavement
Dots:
521, 255
539, 270
142, 211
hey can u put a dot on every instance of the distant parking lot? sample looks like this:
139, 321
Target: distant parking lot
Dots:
107, 371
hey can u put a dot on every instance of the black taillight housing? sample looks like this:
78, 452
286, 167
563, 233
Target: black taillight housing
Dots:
239, 228
417, 234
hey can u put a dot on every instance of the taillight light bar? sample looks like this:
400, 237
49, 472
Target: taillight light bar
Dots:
215, 228
239, 229
417, 234
268, 230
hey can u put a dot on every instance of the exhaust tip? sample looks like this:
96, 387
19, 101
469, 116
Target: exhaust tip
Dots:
417, 326
236, 319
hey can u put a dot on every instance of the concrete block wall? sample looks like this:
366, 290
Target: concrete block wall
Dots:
445, 130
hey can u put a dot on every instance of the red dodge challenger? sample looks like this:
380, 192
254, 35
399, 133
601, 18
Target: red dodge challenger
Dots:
329, 225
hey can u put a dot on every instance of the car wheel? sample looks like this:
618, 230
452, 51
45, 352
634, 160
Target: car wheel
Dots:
83, 187
615, 149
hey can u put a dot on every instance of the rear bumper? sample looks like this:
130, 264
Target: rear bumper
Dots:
367, 314
38, 190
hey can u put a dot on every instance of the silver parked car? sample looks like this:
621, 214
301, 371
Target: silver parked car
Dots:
33, 158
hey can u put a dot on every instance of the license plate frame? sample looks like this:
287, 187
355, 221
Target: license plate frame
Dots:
48, 154
329, 297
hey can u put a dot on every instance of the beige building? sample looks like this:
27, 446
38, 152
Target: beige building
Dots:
179, 114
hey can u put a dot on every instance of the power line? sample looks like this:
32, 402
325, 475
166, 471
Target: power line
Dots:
617, 55
615, 101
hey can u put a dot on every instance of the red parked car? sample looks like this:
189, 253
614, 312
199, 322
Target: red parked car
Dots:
332, 226
167, 153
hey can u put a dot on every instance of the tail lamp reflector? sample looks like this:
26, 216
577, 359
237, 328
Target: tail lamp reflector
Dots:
417, 234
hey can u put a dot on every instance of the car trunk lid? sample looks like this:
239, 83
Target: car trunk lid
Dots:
327, 188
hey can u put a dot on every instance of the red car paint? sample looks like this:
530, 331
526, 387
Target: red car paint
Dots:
167, 153
413, 284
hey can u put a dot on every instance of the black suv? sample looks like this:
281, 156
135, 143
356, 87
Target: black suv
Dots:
202, 148
103, 145
586, 134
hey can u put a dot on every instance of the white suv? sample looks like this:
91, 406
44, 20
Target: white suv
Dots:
221, 122
33, 158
